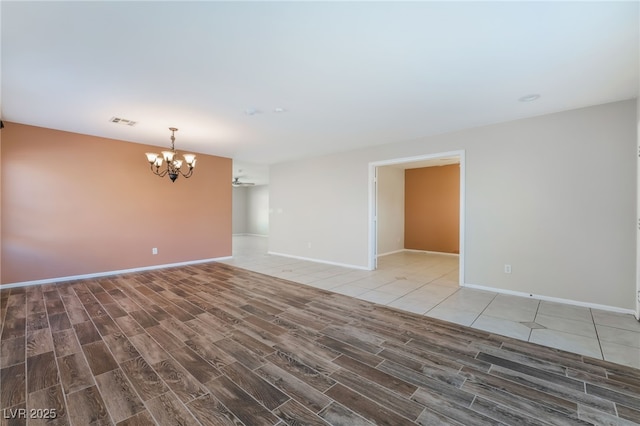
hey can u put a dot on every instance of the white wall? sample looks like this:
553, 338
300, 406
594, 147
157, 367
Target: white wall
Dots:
321, 214
390, 209
554, 196
258, 210
239, 210
251, 210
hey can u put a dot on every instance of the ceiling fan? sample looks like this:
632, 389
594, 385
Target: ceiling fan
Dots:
236, 182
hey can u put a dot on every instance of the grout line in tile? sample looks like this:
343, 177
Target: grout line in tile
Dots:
597, 336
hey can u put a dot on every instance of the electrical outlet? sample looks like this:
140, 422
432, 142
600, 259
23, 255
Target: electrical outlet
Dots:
639, 296
309, 244
154, 250
507, 269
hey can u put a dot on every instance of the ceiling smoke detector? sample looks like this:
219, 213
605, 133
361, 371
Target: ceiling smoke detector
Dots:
123, 121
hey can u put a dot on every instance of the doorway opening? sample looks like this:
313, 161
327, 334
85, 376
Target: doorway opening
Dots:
422, 161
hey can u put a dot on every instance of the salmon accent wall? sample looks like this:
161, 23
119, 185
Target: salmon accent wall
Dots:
74, 204
432, 209
0, 207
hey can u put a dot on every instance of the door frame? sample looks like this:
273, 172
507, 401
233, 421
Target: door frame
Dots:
373, 203
637, 289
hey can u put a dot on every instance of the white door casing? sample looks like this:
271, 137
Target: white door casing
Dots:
373, 202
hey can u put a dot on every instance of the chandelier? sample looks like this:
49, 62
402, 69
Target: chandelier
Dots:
173, 165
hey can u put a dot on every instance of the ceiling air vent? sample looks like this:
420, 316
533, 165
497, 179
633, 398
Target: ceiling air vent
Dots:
123, 121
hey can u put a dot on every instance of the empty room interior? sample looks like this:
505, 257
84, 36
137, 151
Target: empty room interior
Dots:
319, 213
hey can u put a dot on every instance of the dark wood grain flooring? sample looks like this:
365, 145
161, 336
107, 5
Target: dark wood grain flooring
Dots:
211, 344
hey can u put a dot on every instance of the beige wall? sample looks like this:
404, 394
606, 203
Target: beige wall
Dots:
258, 210
74, 204
390, 214
239, 204
554, 196
638, 211
432, 209
251, 210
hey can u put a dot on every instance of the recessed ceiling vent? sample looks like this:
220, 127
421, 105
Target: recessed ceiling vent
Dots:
123, 121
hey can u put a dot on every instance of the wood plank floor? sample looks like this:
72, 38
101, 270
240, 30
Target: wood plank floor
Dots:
212, 344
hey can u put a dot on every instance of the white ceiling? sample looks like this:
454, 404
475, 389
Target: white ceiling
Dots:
347, 74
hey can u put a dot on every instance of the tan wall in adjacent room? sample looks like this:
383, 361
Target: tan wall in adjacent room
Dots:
74, 204
432, 209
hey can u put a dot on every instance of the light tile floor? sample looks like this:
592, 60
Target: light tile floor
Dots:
427, 284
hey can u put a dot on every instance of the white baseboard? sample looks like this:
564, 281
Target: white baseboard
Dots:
243, 234
432, 252
390, 252
109, 273
310, 259
551, 299
417, 251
